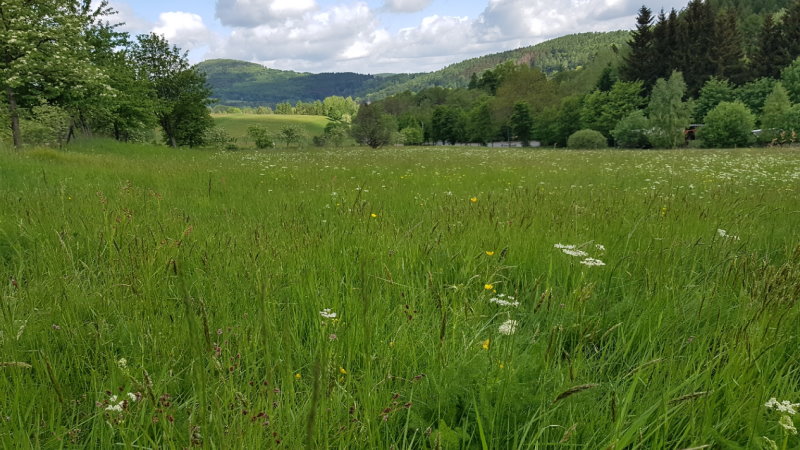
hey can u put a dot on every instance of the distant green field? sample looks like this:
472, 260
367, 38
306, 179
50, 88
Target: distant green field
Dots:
237, 124
406, 298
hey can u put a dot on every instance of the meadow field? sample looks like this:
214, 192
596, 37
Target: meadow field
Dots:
399, 298
237, 124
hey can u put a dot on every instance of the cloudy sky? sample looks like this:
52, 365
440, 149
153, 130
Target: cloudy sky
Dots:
369, 36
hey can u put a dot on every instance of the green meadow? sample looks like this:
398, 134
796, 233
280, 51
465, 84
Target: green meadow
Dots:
425, 298
237, 124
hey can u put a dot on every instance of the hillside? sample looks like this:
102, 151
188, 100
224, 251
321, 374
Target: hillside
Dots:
240, 83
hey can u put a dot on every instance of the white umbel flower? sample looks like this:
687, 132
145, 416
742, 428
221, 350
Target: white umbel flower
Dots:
785, 406
508, 327
592, 262
327, 313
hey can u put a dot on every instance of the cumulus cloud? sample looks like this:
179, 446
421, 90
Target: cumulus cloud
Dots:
186, 30
407, 6
132, 22
254, 13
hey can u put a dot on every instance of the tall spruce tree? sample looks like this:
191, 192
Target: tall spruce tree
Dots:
638, 64
770, 56
696, 44
790, 31
728, 53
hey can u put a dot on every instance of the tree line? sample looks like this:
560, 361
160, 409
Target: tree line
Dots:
65, 69
681, 67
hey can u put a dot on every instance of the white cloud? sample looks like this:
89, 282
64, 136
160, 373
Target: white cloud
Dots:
407, 6
186, 30
254, 13
133, 23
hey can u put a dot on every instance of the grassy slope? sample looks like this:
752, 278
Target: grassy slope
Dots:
237, 124
207, 272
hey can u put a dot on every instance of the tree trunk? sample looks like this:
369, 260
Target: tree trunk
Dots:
14, 114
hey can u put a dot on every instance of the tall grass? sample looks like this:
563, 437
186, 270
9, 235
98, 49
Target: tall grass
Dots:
191, 284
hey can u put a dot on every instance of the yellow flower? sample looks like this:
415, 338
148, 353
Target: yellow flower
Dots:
297, 376
489, 253
342, 371
502, 366
488, 286
373, 215
474, 199
485, 344
391, 344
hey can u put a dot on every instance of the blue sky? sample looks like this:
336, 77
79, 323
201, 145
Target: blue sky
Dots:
369, 36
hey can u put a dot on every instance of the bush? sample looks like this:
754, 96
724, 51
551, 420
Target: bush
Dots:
729, 124
261, 137
631, 132
412, 136
220, 139
588, 139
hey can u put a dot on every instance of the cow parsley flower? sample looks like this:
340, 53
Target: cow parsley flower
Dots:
785, 406
504, 300
592, 262
576, 253
564, 247
327, 313
724, 234
508, 327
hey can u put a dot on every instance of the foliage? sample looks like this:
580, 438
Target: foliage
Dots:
449, 124
372, 126
602, 110
790, 77
46, 125
668, 113
776, 107
754, 93
632, 130
412, 136
587, 139
335, 133
291, 134
729, 124
714, 92
220, 139
521, 123
261, 136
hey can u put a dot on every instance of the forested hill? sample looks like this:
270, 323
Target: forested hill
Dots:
556, 55
240, 83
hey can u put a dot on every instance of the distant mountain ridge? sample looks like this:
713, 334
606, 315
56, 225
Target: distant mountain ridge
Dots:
240, 83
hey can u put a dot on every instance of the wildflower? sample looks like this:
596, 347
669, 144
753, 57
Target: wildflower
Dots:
592, 262
489, 253
564, 246
373, 215
502, 366
391, 344
787, 424
114, 408
724, 234
132, 396
298, 376
474, 200
342, 371
327, 313
785, 406
508, 327
488, 286
600, 247
575, 252
122, 363
504, 300
485, 344
332, 337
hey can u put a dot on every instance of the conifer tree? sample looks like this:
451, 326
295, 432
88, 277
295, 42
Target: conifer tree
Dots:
728, 54
770, 56
638, 65
790, 31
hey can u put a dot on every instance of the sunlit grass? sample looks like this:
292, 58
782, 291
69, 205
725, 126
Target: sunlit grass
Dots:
216, 277
237, 124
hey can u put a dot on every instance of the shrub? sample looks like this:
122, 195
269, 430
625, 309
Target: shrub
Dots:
729, 124
631, 131
412, 136
261, 137
220, 139
588, 139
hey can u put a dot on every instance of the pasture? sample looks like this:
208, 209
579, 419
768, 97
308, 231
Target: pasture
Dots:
237, 124
398, 298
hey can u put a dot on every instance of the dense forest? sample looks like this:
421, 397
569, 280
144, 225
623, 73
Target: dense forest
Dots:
696, 65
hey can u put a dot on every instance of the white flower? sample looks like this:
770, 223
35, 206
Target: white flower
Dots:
112, 399
508, 327
724, 234
327, 313
122, 363
504, 300
592, 262
132, 396
564, 247
785, 406
576, 253
786, 423
115, 408
600, 247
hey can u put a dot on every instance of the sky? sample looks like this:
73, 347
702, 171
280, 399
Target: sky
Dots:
369, 36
